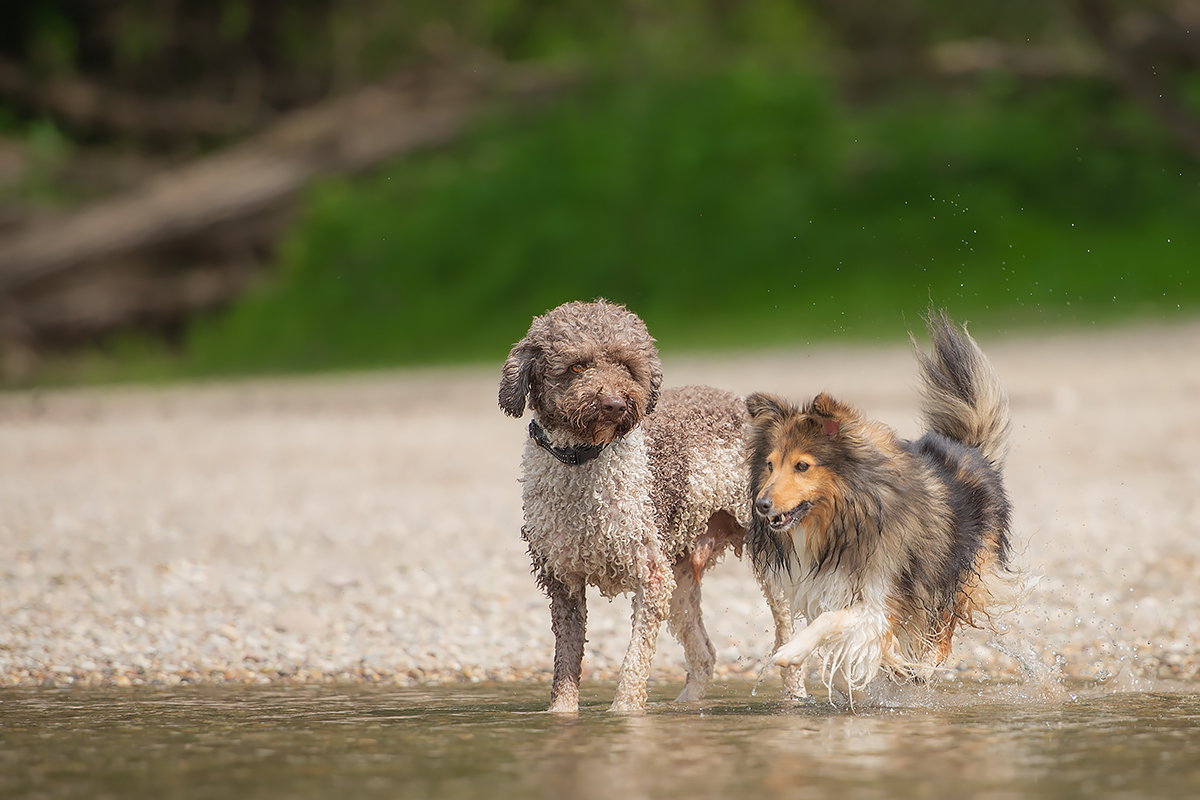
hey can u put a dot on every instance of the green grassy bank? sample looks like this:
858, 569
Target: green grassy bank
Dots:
735, 210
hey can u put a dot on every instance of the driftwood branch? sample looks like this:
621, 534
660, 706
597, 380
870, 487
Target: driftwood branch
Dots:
346, 134
982, 54
194, 237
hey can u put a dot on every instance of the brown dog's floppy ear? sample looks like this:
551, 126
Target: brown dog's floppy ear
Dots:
516, 377
656, 379
763, 406
829, 414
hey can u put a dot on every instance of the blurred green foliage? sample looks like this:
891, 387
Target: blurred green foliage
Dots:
742, 174
746, 208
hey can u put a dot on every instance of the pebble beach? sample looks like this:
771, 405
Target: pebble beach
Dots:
365, 528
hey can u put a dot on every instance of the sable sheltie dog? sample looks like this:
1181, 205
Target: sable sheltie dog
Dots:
886, 545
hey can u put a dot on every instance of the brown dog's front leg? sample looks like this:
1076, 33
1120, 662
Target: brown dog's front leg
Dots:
785, 626
568, 621
650, 606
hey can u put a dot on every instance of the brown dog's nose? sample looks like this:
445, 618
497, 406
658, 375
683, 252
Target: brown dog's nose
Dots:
612, 405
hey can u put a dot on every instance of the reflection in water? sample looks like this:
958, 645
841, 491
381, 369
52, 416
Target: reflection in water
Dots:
495, 741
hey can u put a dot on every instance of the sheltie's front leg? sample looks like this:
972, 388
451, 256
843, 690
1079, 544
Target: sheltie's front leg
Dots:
806, 642
850, 642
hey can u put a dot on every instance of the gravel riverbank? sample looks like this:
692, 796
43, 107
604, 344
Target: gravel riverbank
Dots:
365, 528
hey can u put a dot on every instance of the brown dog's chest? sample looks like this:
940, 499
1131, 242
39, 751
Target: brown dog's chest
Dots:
591, 523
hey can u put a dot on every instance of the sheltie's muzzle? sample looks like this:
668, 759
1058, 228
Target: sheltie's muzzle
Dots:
763, 507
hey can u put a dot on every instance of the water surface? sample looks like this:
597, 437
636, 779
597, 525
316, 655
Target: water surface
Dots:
495, 741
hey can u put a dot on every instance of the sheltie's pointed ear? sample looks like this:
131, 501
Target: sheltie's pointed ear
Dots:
829, 414
765, 407
516, 378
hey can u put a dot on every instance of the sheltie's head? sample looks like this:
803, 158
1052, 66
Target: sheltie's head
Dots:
796, 457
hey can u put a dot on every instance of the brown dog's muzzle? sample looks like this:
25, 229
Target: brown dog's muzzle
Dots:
615, 417
612, 407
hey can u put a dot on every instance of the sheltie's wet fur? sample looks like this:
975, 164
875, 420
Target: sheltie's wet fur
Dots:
886, 545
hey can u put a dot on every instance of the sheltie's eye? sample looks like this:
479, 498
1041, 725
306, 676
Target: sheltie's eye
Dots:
770, 467
801, 466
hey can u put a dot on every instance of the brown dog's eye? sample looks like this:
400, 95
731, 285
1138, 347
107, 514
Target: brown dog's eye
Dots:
801, 466
577, 368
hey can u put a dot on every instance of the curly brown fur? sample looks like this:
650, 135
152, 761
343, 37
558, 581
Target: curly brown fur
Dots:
657, 507
886, 545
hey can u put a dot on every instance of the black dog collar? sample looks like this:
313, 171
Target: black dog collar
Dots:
573, 456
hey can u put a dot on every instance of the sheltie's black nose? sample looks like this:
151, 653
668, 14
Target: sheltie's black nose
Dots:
763, 506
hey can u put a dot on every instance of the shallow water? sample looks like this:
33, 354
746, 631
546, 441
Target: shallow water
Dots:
494, 741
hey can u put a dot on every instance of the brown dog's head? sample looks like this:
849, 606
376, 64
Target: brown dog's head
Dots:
588, 369
797, 457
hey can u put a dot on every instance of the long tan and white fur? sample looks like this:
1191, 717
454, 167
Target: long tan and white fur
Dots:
885, 546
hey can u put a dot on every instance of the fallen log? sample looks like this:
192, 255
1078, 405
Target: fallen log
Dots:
257, 180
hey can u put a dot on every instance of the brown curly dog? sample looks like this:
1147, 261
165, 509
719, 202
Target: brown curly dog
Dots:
626, 489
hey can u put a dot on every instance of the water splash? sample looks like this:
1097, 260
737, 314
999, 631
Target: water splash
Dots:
1039, 680
762, 676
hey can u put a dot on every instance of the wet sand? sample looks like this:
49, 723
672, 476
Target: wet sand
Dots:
365, 528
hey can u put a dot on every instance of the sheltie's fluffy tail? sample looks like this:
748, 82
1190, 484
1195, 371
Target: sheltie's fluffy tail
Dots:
962, 397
